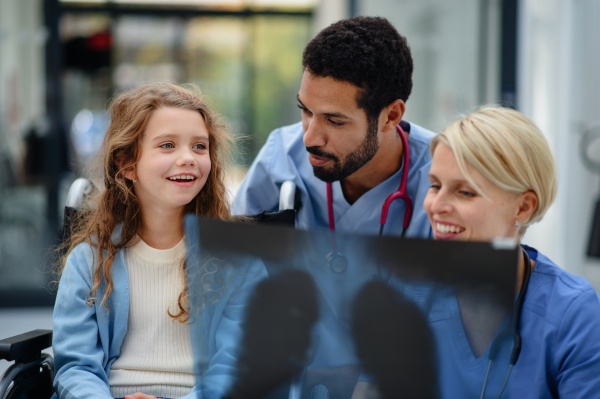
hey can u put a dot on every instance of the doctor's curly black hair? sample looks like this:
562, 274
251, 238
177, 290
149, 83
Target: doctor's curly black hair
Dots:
367, 52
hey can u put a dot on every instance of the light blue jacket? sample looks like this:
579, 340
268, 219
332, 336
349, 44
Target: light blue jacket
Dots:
87, 340
284, 157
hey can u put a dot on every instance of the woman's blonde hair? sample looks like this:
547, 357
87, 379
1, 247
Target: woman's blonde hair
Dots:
117, 203
507, 149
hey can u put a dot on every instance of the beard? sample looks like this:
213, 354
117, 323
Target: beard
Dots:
352, 162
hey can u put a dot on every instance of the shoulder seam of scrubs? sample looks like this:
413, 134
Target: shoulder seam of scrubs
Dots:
572, 283
568, 310
418, 140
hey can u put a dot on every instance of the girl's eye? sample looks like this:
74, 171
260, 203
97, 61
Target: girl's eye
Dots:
199, 146
167, 145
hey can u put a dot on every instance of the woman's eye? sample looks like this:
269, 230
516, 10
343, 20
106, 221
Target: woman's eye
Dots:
435, 187
167, 145
467, 194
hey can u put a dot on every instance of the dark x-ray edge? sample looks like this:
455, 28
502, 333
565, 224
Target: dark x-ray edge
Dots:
460, 264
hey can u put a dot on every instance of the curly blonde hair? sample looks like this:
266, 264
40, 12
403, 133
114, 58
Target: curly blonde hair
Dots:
117, 202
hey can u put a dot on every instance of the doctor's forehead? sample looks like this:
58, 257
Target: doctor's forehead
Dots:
327, 94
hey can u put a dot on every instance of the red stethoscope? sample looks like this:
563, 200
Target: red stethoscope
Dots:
337, 262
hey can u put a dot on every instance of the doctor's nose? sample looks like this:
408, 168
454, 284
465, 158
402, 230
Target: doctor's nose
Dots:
313, 134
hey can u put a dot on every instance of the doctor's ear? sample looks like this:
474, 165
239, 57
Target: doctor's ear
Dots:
528, 203
392, 115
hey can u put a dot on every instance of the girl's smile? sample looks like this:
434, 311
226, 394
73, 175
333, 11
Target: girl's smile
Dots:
183, 180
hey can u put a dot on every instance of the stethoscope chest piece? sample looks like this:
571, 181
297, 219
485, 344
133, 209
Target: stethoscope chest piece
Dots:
336, 263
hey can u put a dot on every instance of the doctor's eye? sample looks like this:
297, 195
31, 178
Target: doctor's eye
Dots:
335, 123
303, 109
167, 145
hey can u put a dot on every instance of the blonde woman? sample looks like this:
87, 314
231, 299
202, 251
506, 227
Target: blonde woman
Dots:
493, 175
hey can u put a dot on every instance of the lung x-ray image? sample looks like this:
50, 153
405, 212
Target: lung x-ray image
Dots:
284, 313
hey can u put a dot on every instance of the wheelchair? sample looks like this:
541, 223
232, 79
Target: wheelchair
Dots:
32, 374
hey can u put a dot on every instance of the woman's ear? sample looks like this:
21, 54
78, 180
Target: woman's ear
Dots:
528, 203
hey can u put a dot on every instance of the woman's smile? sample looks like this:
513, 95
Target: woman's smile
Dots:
445, 230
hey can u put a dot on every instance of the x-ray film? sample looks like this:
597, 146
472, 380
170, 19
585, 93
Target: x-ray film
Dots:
284, 313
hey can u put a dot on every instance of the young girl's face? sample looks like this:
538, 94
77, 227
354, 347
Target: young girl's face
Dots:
174, 162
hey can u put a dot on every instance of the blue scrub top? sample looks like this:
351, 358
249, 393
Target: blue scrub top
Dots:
560, 351
284, 157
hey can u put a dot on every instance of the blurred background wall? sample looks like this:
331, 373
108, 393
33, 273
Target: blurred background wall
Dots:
61, 61
559, 89
25, 230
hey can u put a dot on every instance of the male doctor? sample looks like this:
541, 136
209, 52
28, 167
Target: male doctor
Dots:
357, 78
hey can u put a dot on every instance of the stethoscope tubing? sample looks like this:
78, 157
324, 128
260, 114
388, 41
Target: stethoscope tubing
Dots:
400, 193
336, 262
515, 324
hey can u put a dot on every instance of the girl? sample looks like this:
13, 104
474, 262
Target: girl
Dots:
120, 316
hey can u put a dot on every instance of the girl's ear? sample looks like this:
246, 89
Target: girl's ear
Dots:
528, 203
129, 173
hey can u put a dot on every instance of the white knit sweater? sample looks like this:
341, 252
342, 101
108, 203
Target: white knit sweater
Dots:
156, 356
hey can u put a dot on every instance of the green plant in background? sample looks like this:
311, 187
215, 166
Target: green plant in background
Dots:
278, 55
250, 69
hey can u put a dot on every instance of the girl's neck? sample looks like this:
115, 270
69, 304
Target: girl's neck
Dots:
162, 230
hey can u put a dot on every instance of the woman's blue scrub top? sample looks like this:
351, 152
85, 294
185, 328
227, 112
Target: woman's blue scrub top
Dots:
284, 157
560, 352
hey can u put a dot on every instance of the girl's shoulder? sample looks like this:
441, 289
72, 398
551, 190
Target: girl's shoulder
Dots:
84, 253
82, 264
